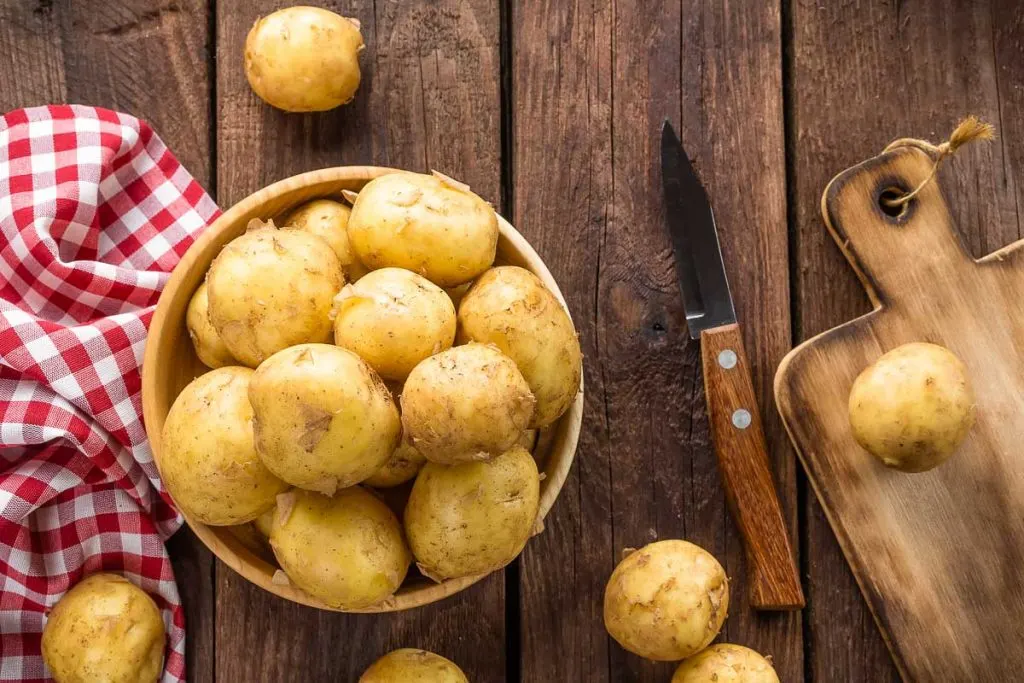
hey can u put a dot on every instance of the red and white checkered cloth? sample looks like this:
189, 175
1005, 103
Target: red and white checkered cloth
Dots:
94, 213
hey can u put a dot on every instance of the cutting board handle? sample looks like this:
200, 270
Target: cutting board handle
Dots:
890, 246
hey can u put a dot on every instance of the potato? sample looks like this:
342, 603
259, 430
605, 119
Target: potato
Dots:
402, 466
328, 220
666, 601
429, 224
346, 551
209, 463
529, 439
265, 522
323, 419
104, 629
413, 666
304, 59
510, 308
467, 403
472, 518
270, 289
725, 663
393, 318
913, 407
209, 346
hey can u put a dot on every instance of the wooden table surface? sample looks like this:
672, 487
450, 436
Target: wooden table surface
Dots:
551, 109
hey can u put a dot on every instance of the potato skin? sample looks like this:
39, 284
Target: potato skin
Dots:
666, 601
413, 666
472, 518
104, 629
393, 318
509, 307
270, 289
328, 220
427, 224
404, 464
323, 420
209, 346
913, 407
726, 663
347, 551
304, 59
467, 403
209, 462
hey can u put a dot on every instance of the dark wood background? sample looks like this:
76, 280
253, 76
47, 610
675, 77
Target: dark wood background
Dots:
551, 109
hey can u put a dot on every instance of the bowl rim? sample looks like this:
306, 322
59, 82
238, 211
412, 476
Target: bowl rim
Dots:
229, 549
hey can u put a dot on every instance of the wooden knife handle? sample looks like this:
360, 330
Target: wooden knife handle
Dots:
743, 461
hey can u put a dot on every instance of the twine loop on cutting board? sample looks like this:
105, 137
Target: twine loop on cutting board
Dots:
968, 130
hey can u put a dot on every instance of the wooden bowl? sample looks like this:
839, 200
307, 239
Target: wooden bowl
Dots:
170, 363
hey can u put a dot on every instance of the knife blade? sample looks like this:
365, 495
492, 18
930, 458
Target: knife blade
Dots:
731, 403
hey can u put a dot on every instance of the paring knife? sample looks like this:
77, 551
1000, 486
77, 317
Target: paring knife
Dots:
732, 408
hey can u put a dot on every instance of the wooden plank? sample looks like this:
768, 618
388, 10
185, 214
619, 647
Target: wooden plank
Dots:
147, 58
591, 85
429, 99
862, 75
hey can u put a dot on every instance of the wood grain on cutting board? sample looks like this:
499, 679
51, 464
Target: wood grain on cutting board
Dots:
939, 555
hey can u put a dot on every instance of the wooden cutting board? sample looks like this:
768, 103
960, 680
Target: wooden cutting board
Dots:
939, 556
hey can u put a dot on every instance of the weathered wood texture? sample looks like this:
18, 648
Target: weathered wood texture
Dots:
860, 75
147, 58
430, 98
591, 85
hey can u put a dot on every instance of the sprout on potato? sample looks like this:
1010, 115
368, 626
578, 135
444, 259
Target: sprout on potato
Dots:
346, 551
666, 601
393, 318
270, 289
209, 346
510, 308
467, 403
413, 666
304, 59
323, 419
726, 663
209, 462
328, 220
104, 629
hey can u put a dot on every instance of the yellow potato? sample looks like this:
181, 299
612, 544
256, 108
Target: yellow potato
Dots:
328, 220
104, 629
209, 346
913, 407
666, 601
510, 308
429, 224
264, 523
467, 403
270, 289
402, 466
323, 419
472, 518
725, 663
347, 551
529, 439
304, 59
393, 318
413, 666
209, 463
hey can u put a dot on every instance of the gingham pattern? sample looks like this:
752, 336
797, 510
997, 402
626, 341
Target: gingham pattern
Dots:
94, 213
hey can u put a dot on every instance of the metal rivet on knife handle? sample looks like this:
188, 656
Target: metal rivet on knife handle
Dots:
727, 359
741, 418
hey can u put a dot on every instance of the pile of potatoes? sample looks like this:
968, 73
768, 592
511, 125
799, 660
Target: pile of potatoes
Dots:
341, 367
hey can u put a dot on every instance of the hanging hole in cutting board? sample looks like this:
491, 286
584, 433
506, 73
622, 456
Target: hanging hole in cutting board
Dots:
889, 204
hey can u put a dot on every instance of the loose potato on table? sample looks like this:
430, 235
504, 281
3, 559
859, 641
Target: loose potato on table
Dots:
209, 346
467, 403
913, 407
328, 220
347, 550
666, 601
472, 518
270, 289
510, 308
304, 59
413, 666
726, 663
104, 629
393, 318
322, 418
209, 462
428, 224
